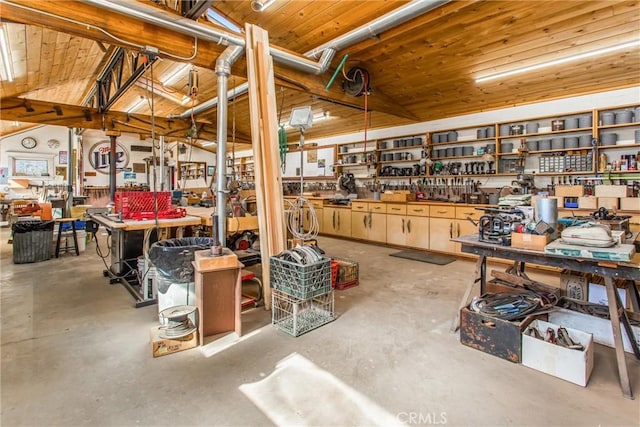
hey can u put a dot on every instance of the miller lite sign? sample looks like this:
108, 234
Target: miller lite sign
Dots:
100, 157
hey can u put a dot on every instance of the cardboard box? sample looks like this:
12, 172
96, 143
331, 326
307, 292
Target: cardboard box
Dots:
164, 346
397, 196
533, 242
599, 327
611, 191
569, 190
494, 336
630, 204
608, 202
588, 202
574, 286
568, 364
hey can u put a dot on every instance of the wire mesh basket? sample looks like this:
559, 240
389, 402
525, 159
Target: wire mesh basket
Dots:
297, 316
348, 274
300, 281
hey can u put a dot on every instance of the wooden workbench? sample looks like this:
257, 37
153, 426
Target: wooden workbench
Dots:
609, 270
234, 224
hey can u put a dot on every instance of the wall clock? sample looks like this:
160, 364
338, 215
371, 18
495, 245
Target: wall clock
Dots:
29, 142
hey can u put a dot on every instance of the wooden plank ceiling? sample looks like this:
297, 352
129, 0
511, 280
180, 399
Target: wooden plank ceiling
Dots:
422, 70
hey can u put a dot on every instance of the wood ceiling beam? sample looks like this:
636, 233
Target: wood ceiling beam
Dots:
132, 33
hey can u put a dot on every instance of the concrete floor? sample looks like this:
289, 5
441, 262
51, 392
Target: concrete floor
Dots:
75, 352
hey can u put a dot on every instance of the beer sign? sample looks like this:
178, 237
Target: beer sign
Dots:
100, 157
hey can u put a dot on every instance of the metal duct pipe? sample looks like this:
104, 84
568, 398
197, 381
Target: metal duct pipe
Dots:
223, 70
186, 26
392, 19
207, 105
385, 22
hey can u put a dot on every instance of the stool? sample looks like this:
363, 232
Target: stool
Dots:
60, 221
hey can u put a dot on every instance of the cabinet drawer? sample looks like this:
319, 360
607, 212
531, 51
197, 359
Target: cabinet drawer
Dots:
469, 212
442, 211
359, 206
417, 210
395, 209
378, 207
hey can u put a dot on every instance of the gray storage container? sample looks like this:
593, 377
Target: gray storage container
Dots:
585, 121
457, 151
452, 136
449, 152
544, 144
491, 148
585, 140
506, 147
491, 132
637, 136
557, 143
571, 123
571, 142
532, 145
624, 116
607, 119
467, 150
609, 138
532, 127
481, 133
505, 129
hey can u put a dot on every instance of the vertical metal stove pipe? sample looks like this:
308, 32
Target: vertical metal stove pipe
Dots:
112, 169
161, 162
69, 202
223, 70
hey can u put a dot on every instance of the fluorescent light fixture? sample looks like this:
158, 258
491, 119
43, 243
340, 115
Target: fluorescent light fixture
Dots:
217, 18
207, 144
171, 95
16, 123
175, 74
559, 61
137, 104
6, 56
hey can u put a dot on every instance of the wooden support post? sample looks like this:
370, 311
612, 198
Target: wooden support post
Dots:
614, 311
264, 136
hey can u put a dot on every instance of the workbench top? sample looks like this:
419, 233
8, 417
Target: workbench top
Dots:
131, 224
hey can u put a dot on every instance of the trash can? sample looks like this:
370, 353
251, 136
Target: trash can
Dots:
32, 241
172, 259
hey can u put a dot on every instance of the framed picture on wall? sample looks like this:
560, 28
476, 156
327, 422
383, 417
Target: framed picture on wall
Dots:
63, 157
211, 170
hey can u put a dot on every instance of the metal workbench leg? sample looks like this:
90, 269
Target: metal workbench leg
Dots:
480, 276
623, 372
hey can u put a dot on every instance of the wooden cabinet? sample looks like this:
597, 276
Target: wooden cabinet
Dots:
441, 228
336, 221
418, 232
408, 226
369, 221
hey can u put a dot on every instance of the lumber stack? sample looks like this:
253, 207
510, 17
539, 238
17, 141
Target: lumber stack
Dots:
264, 139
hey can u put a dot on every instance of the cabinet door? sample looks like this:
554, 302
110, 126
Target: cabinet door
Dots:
344, 222
418, 232
396, 229
359, 225
329, 220
378, 227
464, 227
307, 219
440, 231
